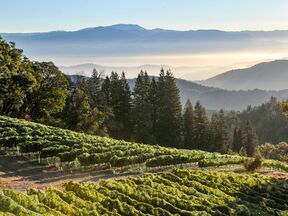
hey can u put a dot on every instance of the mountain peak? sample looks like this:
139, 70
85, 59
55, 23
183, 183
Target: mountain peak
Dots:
126, 27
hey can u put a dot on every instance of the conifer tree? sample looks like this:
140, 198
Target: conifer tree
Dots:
213, 133
201, 127
237, 143
189, 126
168, 124
223, 133
142, 121
154, 101
105, 96
250, 140
93, 88
120, 96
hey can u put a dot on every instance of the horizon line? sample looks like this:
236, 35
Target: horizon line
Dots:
145, 28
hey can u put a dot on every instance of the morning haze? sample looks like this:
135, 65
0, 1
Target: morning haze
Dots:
152, 107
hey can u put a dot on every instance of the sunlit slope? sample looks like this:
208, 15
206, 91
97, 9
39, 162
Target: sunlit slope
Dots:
25, 137
180, 192
58, 146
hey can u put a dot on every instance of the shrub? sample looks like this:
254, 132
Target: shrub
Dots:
251, 166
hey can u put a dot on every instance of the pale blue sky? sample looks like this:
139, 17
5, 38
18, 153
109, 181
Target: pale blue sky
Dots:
47, 15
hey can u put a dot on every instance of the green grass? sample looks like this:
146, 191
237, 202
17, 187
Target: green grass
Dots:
180, 192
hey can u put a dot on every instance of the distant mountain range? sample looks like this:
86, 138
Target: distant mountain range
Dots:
131, 72
268, 76
215, 98
127, 39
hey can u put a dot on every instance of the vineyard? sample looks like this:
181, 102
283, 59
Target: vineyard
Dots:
64, 148
180, 192
58, 146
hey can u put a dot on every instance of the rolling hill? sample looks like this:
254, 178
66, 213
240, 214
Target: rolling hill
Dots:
268, 76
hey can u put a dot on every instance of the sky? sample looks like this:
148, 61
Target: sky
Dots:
48, 15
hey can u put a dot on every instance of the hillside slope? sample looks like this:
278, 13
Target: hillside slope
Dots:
57, 146
68, 149
268, 76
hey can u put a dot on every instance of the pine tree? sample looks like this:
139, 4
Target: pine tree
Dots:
168, 123
212, 145
126, 105
223, 133
120, 96
250, 140
93, 88
237, 143
105, 96
142, 121
189, 126
201, 126
154, 101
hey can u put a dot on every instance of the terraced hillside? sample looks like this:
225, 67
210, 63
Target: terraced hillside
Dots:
180, 192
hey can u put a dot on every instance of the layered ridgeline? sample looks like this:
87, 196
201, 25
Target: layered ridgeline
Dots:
180, 192
130, 40
67, 149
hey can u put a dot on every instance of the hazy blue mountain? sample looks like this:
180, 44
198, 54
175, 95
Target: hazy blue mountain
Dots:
86, 69
268, 76
215, 98
127, 39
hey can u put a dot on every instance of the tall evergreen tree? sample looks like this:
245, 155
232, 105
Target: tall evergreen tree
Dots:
168, 125
142, 121
93, 88
212, 145
154, 101
189, 126
201, 127
105, 96
121, 106
250, 140
237, 143
223, 143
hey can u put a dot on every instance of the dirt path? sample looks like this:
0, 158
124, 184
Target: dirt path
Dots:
18, 174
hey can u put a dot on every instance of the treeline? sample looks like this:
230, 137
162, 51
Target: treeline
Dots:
268, 120
106, 106
151, 113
